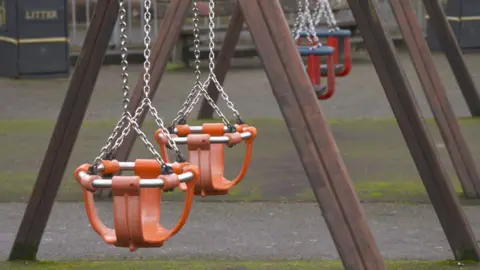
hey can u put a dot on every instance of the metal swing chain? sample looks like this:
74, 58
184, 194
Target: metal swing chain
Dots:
305, 23
319, 11
212, 77
146, 102
198, 84
110, 146
324, 9
299, 21
132, 122
311, 30
332, 22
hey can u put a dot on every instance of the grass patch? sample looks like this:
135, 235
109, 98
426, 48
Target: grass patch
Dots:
374, 152
171, 67
396, 191
224, 265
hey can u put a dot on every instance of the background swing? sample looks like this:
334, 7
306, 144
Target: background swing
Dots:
337, 48
206, 143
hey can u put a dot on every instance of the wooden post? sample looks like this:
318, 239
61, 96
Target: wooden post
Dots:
167, 37
224, 60
437, 98
66, 130
405, 108
452, 50
311, 135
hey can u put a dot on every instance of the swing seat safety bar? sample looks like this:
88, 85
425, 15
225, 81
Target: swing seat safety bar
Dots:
207, 151
136, 200
315, 51
327, 33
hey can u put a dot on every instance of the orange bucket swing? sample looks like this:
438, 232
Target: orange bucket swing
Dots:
206, 150
206, 143
137, 198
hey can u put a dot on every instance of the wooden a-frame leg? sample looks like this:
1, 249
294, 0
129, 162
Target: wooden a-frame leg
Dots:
435, 92
224, 60
326, 147
452, 50
168, 34
66, 130
311, 135
404, 106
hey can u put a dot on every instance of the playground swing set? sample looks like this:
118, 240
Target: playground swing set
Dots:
136, 199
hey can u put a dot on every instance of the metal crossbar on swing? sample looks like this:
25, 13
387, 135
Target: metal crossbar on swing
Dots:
137, 198
206, 143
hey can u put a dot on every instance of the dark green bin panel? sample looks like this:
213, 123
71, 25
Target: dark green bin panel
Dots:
34, 39
8, 48
469, 33
464, 17
453, 10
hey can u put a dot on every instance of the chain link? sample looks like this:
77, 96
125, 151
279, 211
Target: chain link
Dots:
305, 23
211, 57
146, 102
110, 146
201, 90
128, 121
181, 115
324, 10
299, 21
332, 22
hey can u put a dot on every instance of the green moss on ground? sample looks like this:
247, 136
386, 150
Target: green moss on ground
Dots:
374, 151
224, 265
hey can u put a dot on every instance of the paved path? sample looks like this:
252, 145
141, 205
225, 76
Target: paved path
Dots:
243, 231
359, 95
